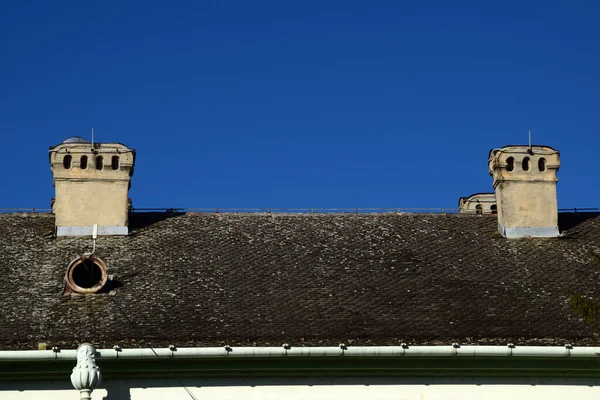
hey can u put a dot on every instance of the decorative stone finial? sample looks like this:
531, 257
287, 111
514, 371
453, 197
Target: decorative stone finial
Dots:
86, 375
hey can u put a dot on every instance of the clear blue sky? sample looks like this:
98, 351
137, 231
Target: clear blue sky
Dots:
300, 103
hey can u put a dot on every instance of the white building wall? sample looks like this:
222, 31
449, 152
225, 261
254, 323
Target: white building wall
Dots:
321, 389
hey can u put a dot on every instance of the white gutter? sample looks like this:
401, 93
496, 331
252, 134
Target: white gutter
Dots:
286, 351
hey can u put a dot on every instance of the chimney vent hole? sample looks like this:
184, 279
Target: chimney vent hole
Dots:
99, 163
510, 164
83, 162
114, 162
67, 161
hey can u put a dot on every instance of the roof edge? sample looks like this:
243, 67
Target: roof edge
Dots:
497, 362
173, 352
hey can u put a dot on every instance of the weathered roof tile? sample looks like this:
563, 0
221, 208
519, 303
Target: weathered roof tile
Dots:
214, 279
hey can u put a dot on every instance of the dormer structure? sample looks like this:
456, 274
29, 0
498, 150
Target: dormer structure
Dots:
525, 186
478, 203
92, 182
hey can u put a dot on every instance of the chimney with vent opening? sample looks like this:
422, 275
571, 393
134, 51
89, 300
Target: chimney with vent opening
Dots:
525, 185
92, 183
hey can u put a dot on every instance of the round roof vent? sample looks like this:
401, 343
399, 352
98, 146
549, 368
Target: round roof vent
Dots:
76, 139
85, 275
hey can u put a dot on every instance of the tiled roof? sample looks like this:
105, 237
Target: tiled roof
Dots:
245, 279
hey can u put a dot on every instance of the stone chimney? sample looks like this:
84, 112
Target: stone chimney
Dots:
92, 183
525, 185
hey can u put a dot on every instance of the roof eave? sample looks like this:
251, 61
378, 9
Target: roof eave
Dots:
413, 361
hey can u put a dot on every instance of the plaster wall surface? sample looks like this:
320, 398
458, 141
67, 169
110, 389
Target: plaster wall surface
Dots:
322, 389
527, 204
84, 203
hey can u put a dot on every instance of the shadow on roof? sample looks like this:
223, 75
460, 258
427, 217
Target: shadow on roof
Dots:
140, 220
569, 220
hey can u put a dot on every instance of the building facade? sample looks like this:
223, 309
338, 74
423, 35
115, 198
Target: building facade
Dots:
267, 305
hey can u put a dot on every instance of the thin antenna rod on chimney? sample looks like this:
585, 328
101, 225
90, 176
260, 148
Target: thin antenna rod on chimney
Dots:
530, 139
93, 137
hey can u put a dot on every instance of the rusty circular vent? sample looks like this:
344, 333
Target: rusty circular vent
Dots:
86, 275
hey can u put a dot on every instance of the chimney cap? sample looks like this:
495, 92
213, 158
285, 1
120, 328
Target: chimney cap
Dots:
524, 146
76, 139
